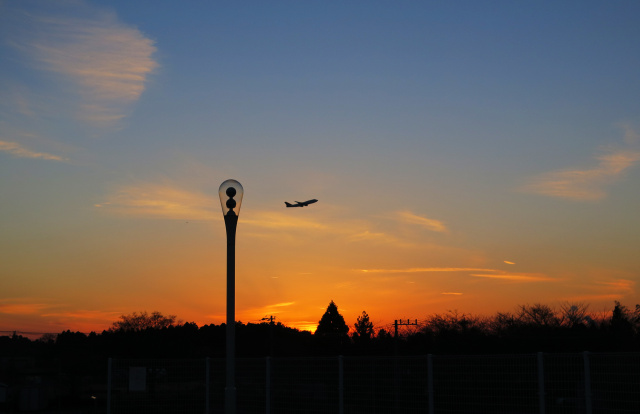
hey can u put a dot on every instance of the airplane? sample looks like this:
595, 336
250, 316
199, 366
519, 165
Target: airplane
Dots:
301, 203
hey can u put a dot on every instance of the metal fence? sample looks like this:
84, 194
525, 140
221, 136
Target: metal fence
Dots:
589, 383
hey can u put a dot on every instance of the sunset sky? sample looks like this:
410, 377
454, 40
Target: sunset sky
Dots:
468, 155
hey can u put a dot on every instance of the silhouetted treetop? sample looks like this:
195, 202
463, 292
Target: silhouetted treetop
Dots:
142, 321
332, 323
363, 328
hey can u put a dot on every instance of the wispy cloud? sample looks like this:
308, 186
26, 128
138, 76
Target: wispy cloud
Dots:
274, 308
22, 308
19, 151
373, 236
166, 201
585, 184
276, 220
613, 289
485, 273
515, 277
424, 222
169, 200
619, 285
108, 61
451, 293
427, 270
90, 315
631, 136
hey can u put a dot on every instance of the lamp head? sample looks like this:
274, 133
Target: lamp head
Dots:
230, 193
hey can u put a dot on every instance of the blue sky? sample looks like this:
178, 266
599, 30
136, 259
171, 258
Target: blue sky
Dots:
467, 155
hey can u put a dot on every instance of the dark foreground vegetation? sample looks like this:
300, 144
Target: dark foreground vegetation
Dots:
531, 328
75, 363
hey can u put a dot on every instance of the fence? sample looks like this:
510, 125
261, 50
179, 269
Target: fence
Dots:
589, 383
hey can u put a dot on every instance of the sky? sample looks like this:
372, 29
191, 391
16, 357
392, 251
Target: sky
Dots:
467, 156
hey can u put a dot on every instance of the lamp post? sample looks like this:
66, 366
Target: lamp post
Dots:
231, 193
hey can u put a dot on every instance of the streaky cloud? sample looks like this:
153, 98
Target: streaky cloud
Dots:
19, 151
279, 305
631, 136
515, 277
92, 315
618, 284
586, 184
108, 61
167, 201
372, 236
276, 220
427, 270
22, 308
424, 222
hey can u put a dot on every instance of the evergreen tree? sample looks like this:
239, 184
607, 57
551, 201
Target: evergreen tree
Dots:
332, 323
363, 328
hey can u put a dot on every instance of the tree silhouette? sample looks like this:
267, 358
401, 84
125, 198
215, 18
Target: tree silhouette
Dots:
538, 315
142, 321
363, 328
332, 323
332, 332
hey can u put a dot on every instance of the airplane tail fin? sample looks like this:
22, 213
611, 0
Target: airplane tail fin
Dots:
288, 204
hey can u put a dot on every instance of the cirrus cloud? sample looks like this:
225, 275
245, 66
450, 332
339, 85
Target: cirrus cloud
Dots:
105, 61
585, 184
160, 200
424, 222
20, 151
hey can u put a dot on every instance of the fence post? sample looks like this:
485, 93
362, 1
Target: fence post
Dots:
541, 401
268, 386
587, 382
109, 386
207, 406
341, 384
430, 383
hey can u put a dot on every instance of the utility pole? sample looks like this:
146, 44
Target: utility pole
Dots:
271, 319
396, 369
401, 322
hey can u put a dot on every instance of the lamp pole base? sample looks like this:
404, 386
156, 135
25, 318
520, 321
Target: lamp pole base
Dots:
230, 400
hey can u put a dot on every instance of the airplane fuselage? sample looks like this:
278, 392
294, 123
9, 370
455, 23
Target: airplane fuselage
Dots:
301, 203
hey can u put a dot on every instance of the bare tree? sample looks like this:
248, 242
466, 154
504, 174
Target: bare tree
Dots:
142, 321
538, 315
574, 315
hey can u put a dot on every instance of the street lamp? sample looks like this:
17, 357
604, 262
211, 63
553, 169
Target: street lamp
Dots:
231, 193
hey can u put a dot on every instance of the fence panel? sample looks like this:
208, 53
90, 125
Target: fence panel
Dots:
305, 385
615, 383
385, 385
565, 384
158, 386
251, 385
490, 384
482, 384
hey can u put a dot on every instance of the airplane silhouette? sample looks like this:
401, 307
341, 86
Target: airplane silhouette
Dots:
301, 203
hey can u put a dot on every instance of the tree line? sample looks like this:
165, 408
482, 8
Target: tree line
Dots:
530, 328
